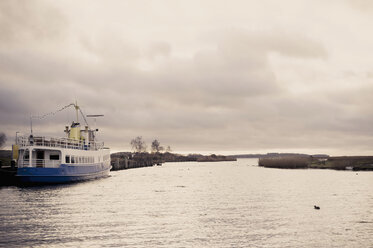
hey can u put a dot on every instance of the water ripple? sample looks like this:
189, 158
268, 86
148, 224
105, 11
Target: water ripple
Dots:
225, 204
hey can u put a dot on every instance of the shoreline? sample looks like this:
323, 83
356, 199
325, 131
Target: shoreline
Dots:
352, 163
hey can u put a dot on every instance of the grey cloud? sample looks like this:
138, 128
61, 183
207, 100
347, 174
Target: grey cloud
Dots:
205, 94
286, 43
225, 96
159, 49
111, 49
361, 5
31, 21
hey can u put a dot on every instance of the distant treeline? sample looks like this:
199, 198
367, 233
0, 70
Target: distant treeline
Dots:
5, 157
125, 160
315, 162
285, 162
275, 154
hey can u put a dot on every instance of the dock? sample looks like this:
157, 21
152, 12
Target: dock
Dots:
8, 175
125, 160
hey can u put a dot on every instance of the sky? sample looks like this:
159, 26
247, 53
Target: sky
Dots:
206, 76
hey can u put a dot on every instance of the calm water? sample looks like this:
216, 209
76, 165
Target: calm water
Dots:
225, 204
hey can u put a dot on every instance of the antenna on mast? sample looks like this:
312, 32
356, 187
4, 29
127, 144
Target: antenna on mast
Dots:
95, 116
55, 112
77, 114
31, 123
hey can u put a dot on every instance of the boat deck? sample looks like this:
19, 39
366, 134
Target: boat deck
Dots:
59, 142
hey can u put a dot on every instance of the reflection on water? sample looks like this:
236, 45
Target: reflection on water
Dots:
225, 204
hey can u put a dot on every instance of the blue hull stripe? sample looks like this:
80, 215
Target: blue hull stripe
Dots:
63, 174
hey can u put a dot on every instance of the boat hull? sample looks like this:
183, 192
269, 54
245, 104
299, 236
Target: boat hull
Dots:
63, 174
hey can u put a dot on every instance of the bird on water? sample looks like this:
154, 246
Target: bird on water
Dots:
316, 207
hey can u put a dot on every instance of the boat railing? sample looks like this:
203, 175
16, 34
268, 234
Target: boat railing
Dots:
41, 163
58, 142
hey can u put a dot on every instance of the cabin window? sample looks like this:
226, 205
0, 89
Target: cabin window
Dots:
67, 158
72, 159
54, 157
26, 155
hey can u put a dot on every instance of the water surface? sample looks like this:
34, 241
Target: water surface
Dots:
224, 204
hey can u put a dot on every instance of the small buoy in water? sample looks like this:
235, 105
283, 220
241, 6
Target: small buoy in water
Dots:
316, 207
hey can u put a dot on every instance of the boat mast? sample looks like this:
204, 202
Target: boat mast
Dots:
31, 123
77, 113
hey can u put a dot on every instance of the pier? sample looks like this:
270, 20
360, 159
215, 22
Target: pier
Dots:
8, 175
127, 160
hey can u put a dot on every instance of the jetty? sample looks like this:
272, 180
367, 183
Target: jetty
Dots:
8, 168
127, 160
8, 175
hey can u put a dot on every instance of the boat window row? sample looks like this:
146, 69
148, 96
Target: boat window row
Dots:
54, 157
79, 159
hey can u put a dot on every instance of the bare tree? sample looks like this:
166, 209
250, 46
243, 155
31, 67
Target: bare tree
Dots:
138, 145
156, 146
168, 149
2, 140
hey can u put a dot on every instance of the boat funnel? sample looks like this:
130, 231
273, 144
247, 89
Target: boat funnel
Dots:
74, 132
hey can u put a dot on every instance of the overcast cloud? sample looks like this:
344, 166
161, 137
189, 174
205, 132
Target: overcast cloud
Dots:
200, 76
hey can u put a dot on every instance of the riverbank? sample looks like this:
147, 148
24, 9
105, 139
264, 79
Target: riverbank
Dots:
356, 163
119, 161
128, 160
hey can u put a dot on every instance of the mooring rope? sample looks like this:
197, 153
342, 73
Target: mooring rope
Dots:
51, 113
59, 110
83, 116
